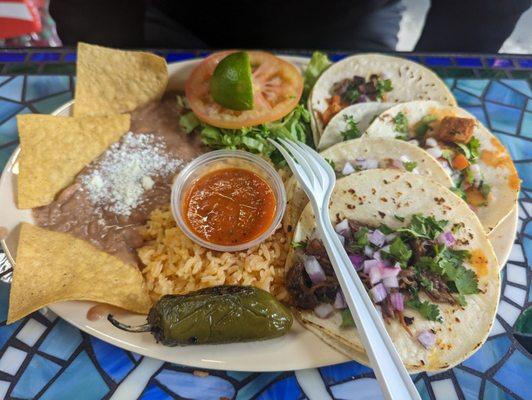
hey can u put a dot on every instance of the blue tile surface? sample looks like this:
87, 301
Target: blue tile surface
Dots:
488, 354
515, 374
80, 381
469, 383
190, 386
154, 392
62, 341
341, 372
45, 85
35, 377
12, 90
498, 373
286, 388
112, 359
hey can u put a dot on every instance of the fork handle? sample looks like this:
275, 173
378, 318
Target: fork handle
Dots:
388, 367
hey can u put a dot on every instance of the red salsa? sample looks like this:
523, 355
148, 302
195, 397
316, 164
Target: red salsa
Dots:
229, 206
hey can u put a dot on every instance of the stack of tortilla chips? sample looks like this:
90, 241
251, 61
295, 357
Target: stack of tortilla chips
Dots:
54, 266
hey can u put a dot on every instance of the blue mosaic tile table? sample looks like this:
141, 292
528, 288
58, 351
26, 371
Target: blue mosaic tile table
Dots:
44, 357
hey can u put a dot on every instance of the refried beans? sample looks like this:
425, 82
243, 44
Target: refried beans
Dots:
117, 233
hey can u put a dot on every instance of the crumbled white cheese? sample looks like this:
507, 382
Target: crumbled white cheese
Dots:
126, 170
147, 183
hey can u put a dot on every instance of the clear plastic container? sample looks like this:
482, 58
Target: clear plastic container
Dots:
221, 159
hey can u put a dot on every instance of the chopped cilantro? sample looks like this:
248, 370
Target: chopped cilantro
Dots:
401, 123
426, 283
424, 227
421, 128
347, 319
474, 148
398, 218
448, 155
464, 149
360, 240
469, 176
352, 131
427, 310
484, 188
410, 165
351, 95
466, 282
449, 264
383, 86
299, 245
385, 229
399, 251
459, 192
331, 163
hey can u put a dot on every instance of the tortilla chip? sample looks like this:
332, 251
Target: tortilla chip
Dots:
115, 81
55, 266
55, 149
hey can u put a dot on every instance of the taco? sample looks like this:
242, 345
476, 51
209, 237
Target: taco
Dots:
481, 168
372, 77
351, 123
422, 255
362, 154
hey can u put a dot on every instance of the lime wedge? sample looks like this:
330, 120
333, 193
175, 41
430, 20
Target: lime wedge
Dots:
231, 83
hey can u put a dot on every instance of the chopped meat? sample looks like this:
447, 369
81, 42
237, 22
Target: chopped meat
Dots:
298, 285
335, 106
387, 308
439, 292
455, 129
419, 248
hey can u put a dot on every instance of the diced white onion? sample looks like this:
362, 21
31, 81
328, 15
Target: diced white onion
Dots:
368, 251
391, 282
427, 339
339, 301
434, 152
323, 310
342, 226
314, 269
348, 169
404, 159
375, 275
377, 238
378, 293
371, 264
431, 142
414, 142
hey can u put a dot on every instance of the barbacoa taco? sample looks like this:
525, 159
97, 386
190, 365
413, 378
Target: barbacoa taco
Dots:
481, 168
372, 78
421, 253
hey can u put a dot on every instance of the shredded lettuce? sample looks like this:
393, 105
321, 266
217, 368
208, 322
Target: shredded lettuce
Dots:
294, 126
318, 63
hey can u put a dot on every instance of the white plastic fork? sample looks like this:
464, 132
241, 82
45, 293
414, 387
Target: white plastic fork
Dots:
317, 178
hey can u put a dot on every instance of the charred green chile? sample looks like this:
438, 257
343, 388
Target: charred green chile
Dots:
221, 314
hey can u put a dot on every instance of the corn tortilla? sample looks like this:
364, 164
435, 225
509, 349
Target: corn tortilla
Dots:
113, 81
55, 149
55, 266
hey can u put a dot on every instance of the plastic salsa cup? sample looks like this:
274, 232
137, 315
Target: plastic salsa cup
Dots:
224, 159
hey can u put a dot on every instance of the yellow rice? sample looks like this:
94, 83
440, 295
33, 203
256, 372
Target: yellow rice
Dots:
176, 265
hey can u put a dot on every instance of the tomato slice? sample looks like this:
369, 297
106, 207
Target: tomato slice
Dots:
277, 88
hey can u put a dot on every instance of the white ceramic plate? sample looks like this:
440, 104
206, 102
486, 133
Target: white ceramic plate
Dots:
297, 350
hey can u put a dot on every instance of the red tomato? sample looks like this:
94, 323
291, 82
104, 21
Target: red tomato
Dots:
277, 88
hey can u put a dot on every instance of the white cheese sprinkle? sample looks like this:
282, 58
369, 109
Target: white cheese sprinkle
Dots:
126, 170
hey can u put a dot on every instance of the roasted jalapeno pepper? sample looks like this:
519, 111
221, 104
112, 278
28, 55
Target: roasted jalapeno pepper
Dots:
220, 314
